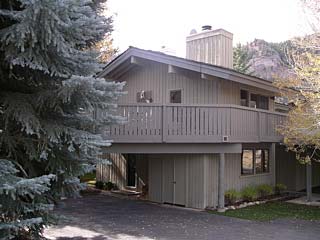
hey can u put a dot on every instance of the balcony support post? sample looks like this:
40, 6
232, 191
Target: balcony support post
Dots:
221, 183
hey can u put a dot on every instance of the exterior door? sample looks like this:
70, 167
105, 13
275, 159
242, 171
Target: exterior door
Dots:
168, 179
174, 181
180, 181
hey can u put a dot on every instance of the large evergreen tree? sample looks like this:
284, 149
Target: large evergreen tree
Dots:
49, 129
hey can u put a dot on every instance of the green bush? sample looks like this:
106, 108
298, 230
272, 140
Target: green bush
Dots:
108, 186
264, 190
280, 188
249, 193
231, 196
99, 184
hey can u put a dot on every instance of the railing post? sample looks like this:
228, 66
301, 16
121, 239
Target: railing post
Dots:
164, 123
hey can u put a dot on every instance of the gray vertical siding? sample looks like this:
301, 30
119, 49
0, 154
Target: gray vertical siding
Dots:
286, 168
293, 174
195, 181
300, 175
202, 177
233, 178
212, 173
155, 178
159, 190
213, 47
195, 90
236, 181
115, 172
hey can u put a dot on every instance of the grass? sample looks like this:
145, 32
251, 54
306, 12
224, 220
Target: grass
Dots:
275, 210
89, 178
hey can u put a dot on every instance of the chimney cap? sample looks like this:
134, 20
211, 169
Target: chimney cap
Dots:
193, 31
206, 27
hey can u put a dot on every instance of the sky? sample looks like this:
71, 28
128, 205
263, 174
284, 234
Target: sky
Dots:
151, 24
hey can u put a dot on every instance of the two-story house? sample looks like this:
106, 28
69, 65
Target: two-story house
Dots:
195, 127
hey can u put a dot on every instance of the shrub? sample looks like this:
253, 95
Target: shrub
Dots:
249, 193
280, 188
108, 186
88, 177
99, 184
264, 190
231, 196
115, 187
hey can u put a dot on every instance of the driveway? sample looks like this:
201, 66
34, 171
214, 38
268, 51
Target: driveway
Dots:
102, 217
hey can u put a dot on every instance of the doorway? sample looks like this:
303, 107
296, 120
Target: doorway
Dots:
131, 170
174, 181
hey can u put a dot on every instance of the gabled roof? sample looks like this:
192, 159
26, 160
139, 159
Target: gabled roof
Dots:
202, 68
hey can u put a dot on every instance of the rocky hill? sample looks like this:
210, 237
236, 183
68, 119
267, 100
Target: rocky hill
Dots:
268, 60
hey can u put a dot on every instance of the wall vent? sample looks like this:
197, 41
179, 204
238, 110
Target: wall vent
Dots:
225, 138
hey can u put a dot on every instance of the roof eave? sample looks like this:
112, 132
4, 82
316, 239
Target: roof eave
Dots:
215, 71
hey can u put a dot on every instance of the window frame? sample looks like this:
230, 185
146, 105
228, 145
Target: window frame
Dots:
263, 160
247, 97
253, 159
258, 102
172, 90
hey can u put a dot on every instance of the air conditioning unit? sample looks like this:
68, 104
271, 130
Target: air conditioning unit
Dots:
225, 138
243, 102
253, 104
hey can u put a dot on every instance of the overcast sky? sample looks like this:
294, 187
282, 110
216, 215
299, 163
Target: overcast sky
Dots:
150, 24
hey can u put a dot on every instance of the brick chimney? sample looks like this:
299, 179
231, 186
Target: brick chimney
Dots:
211, 46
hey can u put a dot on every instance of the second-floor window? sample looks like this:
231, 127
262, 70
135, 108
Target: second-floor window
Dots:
259, 101
175, 96
253, 100
244, 98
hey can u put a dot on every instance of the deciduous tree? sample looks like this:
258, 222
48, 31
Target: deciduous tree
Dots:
302, 129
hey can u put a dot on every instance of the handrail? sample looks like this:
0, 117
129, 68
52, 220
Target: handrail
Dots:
201, 105
202, 123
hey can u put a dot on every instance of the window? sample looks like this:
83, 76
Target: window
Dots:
262, 161
254, 161
253, 100
247, 162
263, 102
258, 101
175, 96
244, 98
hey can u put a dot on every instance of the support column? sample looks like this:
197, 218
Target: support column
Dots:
309, 181
273, 163
221, 183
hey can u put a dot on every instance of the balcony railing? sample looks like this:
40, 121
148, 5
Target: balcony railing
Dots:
177, 123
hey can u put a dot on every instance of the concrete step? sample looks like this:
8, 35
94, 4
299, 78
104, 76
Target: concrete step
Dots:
125, 192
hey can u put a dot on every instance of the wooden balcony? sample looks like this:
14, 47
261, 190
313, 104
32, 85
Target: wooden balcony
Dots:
178, 123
